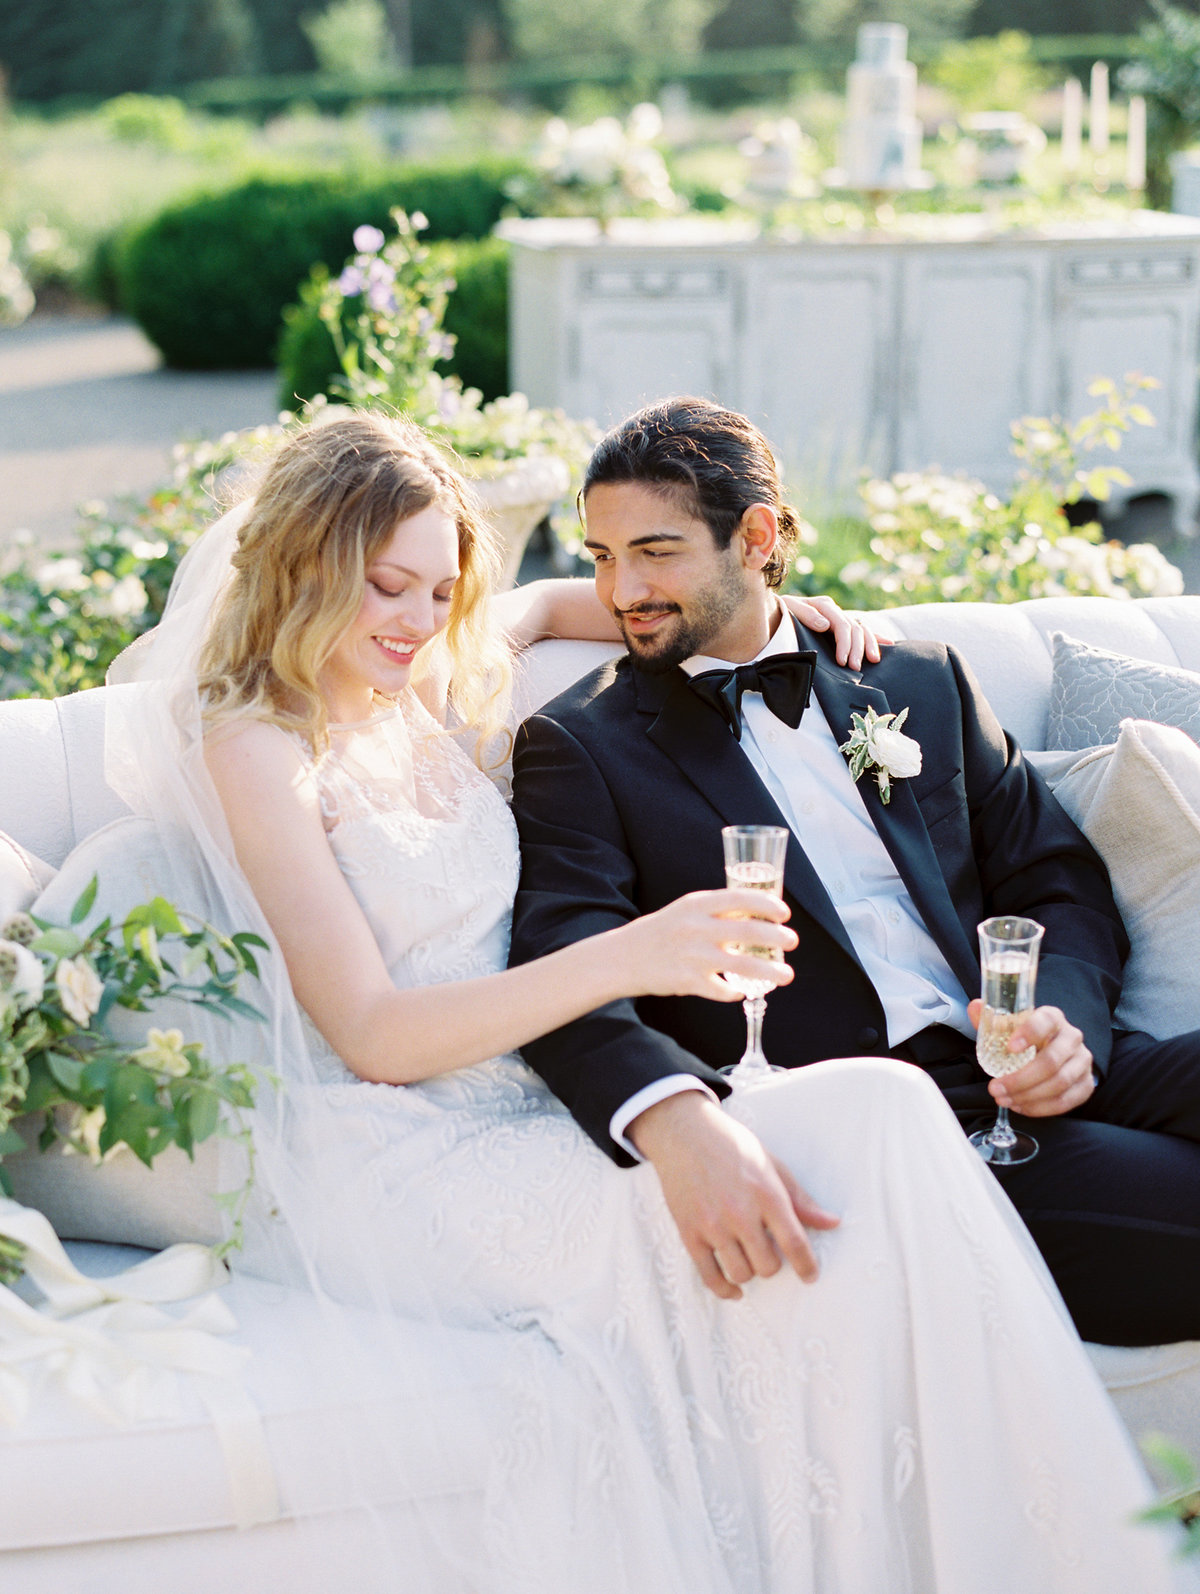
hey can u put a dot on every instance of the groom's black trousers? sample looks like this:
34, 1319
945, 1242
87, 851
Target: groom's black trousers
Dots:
1112, 1198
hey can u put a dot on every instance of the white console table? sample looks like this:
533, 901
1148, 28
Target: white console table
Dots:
870, 351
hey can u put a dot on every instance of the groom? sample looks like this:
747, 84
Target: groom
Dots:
621, 786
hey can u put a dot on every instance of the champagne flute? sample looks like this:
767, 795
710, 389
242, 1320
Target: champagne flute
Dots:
754, 857
1008, 958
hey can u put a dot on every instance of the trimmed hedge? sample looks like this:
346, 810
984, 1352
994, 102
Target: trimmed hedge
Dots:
209, 277
477, 315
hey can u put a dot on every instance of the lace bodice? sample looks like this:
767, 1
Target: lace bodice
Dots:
426, 843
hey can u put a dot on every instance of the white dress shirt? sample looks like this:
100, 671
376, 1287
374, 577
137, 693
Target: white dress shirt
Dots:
809, 778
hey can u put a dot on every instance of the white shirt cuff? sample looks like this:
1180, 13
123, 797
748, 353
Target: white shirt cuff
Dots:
649, 1096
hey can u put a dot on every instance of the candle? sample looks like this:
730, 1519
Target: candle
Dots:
1072, 126
1098, 121
1135, 144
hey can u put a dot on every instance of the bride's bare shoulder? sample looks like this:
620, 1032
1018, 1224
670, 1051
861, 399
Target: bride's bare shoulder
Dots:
247, 748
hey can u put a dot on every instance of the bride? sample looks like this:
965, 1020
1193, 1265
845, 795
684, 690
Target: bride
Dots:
918, 1419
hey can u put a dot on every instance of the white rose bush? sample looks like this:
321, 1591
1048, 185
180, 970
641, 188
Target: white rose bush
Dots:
60, 1063
938, 538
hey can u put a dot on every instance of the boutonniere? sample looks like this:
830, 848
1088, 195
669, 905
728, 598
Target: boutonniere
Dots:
878, 744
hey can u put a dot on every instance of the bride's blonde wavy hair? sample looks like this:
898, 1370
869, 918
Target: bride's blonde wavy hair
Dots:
328, 504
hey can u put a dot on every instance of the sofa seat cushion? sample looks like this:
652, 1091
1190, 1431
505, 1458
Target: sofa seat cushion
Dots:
70, 1478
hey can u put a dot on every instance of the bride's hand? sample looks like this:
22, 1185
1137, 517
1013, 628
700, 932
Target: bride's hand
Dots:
853, 638
684, 948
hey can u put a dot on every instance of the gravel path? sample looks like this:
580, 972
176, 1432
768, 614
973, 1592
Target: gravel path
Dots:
86, 412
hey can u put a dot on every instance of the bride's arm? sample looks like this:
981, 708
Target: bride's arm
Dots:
568, 607
393, 1036
562, 606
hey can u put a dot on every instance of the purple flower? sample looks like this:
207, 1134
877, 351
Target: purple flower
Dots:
378, 271
380, 297
351, 282
367, 240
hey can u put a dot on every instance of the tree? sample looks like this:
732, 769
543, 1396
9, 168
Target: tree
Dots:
548, 30
94, 48
838, 21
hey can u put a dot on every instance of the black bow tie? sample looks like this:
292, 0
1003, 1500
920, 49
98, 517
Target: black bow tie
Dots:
784, 679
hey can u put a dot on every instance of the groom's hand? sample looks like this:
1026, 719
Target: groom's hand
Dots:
1057, 1078
739, 1212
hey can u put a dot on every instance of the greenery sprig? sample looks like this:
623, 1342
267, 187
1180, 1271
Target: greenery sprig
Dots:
58, 1058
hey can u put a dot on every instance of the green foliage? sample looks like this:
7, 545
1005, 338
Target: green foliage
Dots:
937, 538
476, 319
546, 30
16, 296
999, 73
155, 119
840, 20
1181, 1499
209, 277
384, 314
477, 315
58, 986
351, 38
1166, 70
95, 48
64, 616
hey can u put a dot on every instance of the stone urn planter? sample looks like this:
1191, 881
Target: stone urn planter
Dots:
515, 495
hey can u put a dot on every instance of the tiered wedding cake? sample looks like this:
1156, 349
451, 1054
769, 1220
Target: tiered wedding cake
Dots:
881, 141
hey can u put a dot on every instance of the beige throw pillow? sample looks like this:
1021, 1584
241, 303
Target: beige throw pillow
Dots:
1138, 803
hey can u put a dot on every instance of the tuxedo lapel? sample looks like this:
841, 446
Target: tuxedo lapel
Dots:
699, 742
899, 823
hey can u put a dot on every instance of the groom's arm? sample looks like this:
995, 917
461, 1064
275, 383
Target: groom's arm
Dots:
577, 879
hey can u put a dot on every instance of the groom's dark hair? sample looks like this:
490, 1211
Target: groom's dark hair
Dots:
711, 459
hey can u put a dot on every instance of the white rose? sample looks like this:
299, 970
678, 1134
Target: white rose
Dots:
900, 755
21, 976
79, 988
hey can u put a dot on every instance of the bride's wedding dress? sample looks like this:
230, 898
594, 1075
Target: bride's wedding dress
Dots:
922, 1420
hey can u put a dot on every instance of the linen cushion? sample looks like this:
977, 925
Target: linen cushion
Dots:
1138, 803
1093, 690
22, 876
122, 1200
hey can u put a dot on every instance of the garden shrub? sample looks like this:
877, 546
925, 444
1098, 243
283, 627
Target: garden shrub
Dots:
477, 316
208, 278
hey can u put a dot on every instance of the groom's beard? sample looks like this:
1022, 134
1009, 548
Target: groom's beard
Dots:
690, 631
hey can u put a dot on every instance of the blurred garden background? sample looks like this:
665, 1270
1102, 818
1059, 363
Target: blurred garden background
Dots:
212, 211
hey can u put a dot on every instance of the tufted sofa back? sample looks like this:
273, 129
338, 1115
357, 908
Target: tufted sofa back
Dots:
52, 790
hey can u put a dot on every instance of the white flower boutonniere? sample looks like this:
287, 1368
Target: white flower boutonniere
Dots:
878, 744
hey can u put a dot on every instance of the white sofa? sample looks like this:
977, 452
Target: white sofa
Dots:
87, 1507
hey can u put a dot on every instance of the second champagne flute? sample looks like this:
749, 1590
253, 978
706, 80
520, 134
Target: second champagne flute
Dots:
1008, 956
754, 856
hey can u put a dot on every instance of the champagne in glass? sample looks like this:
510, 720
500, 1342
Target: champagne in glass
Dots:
1008, 956
755, 877
754, 857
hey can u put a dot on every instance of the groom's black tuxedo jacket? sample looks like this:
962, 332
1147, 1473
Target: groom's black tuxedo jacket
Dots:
622, 784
